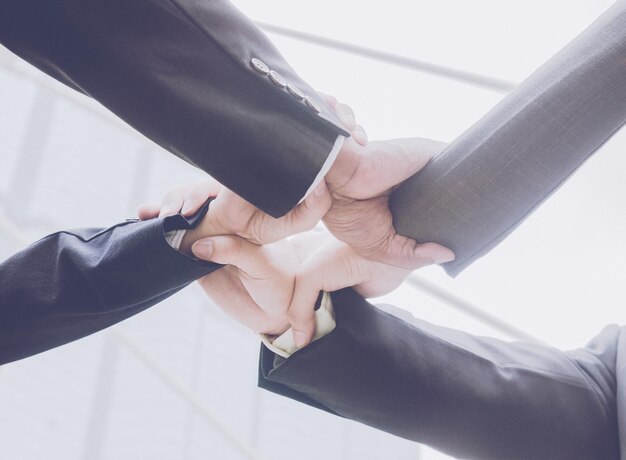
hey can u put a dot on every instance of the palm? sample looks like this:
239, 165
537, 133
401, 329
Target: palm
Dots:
256, 285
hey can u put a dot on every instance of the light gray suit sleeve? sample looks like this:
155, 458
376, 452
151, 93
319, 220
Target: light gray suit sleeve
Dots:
493, 176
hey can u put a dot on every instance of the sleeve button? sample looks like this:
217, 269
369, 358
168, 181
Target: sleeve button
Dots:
277, 79
259, 66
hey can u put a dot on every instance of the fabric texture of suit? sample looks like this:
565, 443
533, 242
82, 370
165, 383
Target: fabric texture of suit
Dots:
477, 397
179, 71
487, 181
471, 397
73, 283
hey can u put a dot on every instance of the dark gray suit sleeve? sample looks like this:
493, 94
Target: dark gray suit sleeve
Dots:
493, 176
179, 71
74, 283
471, 397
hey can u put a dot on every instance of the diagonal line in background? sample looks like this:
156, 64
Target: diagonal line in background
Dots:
483, 81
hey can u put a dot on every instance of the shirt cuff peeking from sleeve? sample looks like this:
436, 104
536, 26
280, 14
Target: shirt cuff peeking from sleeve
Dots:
327, 165
175, 238
284, 345
176, 226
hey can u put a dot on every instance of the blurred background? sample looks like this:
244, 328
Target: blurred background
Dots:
179, 381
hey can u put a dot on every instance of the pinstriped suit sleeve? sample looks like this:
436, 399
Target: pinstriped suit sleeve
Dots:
494, 175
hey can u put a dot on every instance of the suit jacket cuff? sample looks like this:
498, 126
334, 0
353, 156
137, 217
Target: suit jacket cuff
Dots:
74, 283
332, 156
188, 83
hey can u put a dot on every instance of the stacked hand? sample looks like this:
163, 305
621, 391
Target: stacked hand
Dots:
269, 282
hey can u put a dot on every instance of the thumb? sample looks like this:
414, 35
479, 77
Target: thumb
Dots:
409, 254
233, 250
307, 214
334, 267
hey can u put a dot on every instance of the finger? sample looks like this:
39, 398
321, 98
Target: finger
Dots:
172, 202
225, 289
328, 99
307, 214
343, 111
331, 269
232, 250
384, 279
359, 135
400, 160
197, 195
346, 116
148, 211
407, 253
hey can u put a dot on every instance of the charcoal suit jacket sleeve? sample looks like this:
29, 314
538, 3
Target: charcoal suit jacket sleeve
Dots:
475, 397
471, 397
73, 283
181, 73
474, 194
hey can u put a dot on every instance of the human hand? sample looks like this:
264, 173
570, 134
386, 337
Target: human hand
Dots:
231, 214
256, 287
360, 182
334, 266
256, 284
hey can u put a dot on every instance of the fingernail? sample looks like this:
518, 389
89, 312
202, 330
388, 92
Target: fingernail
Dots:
320, 189
203, 248
300, 338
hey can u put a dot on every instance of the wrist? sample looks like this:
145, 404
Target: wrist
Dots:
345, 165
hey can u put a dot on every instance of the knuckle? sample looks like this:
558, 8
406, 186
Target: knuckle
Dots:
233, 245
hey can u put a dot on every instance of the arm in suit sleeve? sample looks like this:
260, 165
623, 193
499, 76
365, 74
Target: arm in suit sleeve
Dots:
471, 397
474, 194
71, 284
179, 71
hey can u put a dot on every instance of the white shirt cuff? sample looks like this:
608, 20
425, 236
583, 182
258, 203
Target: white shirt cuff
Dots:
175, 238
326, 167
284, 345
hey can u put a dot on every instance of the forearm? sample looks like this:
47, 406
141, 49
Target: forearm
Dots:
180, 72
72, 284
495, 174
471, 397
